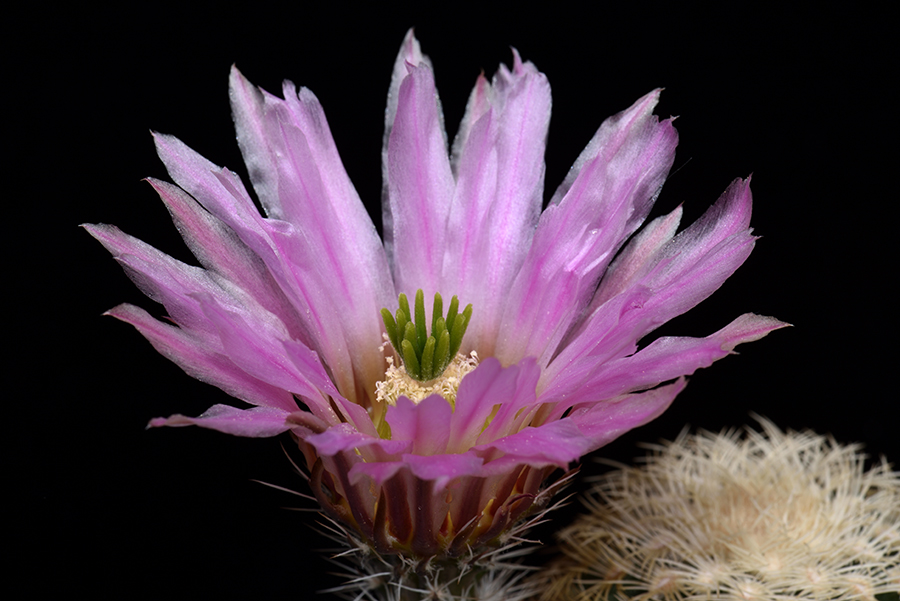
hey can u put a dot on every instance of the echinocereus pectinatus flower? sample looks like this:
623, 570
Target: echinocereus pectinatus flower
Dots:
509, 342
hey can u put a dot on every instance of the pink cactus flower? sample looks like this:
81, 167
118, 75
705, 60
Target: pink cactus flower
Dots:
285, 313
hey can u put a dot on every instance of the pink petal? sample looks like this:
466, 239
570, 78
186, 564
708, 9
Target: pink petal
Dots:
442, 468
299, 177
478, 104
378, 472
518, 408
222, 317
585, 352
221, 193
257, 422
219, 250
670, 357
602, 423
260, 350
689, 268
488, 385
302, 275
218, 190
345, 437
420, 187
201, 361
159, 276
606, 196
500, 181
636, 258
426, 424
553, 444
664, 359
410, 53
338, 438
357, 416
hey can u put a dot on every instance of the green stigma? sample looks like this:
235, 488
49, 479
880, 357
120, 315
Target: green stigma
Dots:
426, 357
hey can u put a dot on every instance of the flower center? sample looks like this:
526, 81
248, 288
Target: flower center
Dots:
397, 382
426, 357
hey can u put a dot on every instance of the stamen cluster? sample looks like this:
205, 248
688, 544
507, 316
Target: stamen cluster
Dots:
397, 383
426, 357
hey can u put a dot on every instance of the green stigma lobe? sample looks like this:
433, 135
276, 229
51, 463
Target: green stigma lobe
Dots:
421, 333
425, 356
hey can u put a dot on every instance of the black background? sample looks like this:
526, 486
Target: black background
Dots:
799, 99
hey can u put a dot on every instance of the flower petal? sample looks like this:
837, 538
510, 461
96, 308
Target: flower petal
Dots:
689, 268
556, 444
442, 468
218, 190
199, 360
517, 409
345, 437
299, 272
379, 472
257, 422
420, 186
478, 104
671, 356
500, 185
606, 196
296, 170
410, 53
260, 351
162, 278
698, 260
338, 438
489, 385
603, 422
220, 316
632, 263
357, 416
426, 423
664, 359
219, 250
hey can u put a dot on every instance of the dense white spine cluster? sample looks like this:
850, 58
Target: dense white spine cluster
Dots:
763, 516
